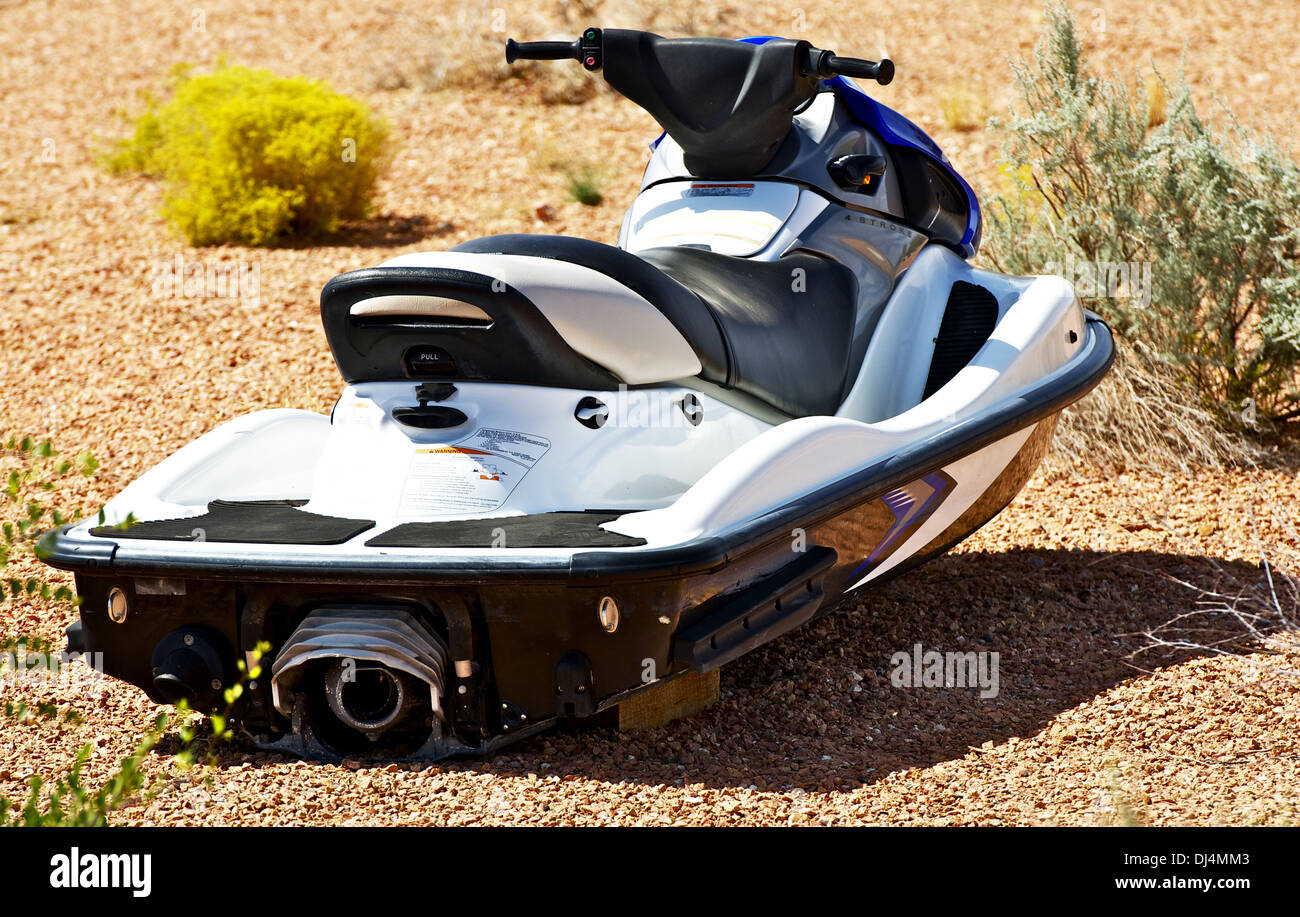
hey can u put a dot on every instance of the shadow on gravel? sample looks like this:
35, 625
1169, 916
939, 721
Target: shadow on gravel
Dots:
386, 231
1063, 624
1061, 621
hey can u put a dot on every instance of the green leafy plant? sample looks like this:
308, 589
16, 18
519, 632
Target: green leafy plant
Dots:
43, 711
65, 801
584, 186
253, 158
36, 469
1104, 175
39, 468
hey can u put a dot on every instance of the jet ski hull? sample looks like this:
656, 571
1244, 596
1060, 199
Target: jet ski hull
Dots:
528, 637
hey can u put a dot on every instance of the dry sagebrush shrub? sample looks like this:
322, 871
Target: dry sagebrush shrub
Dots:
1141, 418
253, 158
1106, 176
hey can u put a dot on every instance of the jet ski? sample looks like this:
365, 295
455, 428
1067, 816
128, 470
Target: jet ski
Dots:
562, 474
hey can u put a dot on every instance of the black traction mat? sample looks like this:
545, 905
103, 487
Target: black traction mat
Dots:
251, 522
968, 320
540, 530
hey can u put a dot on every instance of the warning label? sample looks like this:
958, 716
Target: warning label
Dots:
519, 447
474, 475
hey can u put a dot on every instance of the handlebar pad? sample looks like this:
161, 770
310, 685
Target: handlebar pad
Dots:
728, 104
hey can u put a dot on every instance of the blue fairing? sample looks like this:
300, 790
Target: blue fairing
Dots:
896, 130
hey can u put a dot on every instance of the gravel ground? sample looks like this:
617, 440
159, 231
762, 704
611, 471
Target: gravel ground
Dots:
810, 729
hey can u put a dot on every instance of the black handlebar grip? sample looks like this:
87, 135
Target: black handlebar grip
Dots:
541, 50
882, 72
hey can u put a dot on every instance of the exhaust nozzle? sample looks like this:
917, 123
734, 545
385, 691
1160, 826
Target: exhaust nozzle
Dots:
377, 663
368, 697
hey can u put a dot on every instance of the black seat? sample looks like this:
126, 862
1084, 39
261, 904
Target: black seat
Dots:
787, 324
779, 331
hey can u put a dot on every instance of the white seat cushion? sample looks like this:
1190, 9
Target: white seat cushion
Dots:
596, 315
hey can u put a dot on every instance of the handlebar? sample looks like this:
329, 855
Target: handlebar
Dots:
828, 63
540, 50
727, 104
588, 49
